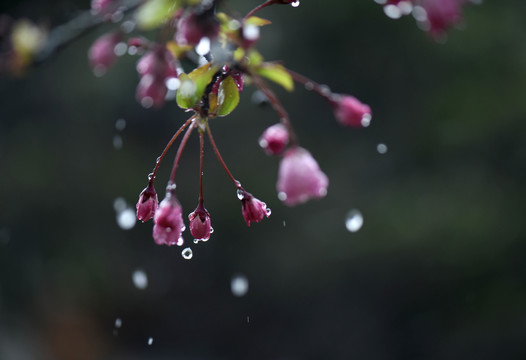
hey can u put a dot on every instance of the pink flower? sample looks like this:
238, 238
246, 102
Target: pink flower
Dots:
193, 27
168, 221
441, 15
151, 91
147, 204
349, 111
102, 53
102, 7
254, 210
200, 224
300, 178
274, 139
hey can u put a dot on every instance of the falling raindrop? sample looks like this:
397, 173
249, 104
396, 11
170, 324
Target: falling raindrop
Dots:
140, 280
284, 223
259, 98
118, 323
354, 220
117, 142
248, 319
295, 3
381, 148
366, 120
120, 124
239, 285
282, 196
126, 219
119, 204
150, 341
187, 253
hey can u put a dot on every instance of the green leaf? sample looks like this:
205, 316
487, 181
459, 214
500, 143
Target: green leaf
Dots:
254, 58
185, 96
154, 13
227, 96
257, 21
276, 73
193, 85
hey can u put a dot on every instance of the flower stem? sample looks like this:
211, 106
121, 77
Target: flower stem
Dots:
180, 151
257, 8
201, 145
276, 105
312, 85
216, 150
167, 147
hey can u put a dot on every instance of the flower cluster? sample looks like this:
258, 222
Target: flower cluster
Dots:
223, 49
433, 16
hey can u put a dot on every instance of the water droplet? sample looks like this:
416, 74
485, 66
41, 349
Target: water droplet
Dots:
150, 176
366, 120
354, 220
295, 3
251, 32
140, 280
309, 86
150, 341
128, 26
248, 319
325, 90
180, 241
268, 211
117, 142
284, 223
147, 102
172, 83
419, 13
126, 219
183, 228
99, 70
282, 196
240, 194
119, 204
120, 49
118, 323
239, 285
120, 124
263, 143
381, 148
171, 187
405, 7
203, 47
234, 25
187, 253
117, 16
392, 11
211, 230
259, 98
132, 50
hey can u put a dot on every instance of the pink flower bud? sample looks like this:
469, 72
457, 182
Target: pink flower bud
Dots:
200, 224
349, 111
274, 139
168, 221
193, 27
159, 63
102, 53
102, 7
441, 15
300, 178
151, 91
147, 204
254, 210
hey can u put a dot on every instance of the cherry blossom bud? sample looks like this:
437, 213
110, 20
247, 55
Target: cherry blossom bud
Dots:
441, 15
300, 178
349, 111
102, 7
168, 221
147, 204
193, 27
200, 224
151, 91
102, 53
254, 210
274, 139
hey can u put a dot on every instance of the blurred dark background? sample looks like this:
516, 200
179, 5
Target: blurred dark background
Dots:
436, 272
